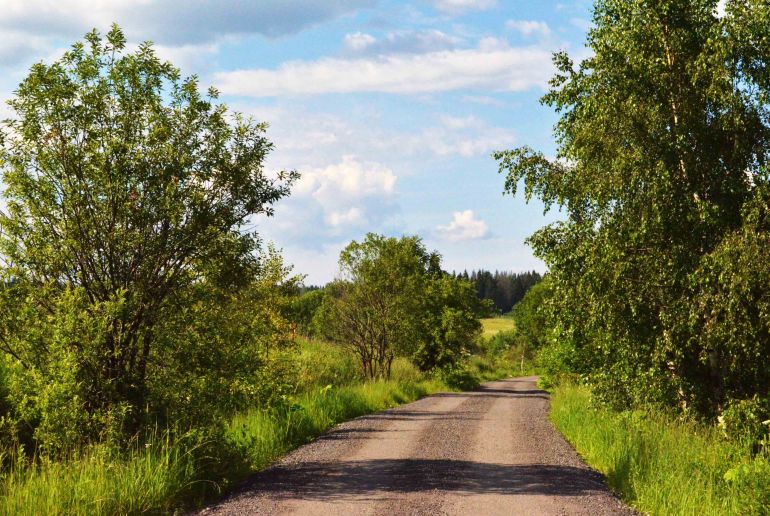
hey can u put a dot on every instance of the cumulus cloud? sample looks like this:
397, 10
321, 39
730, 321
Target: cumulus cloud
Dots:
336, 201
492, 65
462, 6
359, 41
529, 28
464, 226
465, 136
302, 136
400, 42
349, 179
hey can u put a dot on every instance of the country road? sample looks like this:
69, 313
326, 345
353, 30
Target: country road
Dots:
492, 451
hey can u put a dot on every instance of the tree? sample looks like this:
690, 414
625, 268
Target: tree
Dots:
663, 140
450, 322
304, 306
531, 315
392, 300
373, 308
505, 289
125, 187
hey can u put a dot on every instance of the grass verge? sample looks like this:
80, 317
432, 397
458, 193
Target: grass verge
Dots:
660, 465
181, 469
167, 474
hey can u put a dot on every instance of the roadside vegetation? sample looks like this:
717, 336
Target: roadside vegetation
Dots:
652, 324
663, 464
171, 469
153, 351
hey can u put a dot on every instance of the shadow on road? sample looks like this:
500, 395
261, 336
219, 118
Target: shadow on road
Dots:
333, 480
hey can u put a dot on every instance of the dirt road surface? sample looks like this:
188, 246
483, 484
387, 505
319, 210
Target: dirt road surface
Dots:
492, 451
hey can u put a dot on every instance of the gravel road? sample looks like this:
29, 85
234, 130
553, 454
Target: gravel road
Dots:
492, 451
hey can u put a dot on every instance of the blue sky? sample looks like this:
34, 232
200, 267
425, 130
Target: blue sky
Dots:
389, 110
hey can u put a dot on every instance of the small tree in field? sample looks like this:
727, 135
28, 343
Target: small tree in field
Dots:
124, 186
393, 299
373, 308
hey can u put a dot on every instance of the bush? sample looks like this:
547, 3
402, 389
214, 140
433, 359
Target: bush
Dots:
747, 421
459, 377
318, 364
531, 314
503, 341
303, 309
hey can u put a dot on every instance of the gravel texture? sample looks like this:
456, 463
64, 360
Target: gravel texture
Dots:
492, 451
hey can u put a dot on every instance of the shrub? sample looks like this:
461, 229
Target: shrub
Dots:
460, 377
747, 421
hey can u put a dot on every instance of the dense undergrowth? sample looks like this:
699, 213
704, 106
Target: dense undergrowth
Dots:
175, 470
661, 464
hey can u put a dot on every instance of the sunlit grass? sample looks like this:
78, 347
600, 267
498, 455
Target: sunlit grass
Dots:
661, 465
169, 473
166, 473
495, 325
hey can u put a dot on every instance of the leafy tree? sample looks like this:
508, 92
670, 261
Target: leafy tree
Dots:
393, 299
373, 308
531, 315
303, 309
126, 189
663, 141
450, 322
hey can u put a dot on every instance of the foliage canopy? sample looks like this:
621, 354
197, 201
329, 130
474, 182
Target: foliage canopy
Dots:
127, 192
393, 299
662, 171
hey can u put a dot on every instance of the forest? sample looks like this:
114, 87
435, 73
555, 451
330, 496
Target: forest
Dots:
504, 289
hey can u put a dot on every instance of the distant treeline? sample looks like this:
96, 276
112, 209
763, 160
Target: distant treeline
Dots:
504, 289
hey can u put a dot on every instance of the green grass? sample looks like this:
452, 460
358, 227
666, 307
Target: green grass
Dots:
660, 465
494, 325
168, 474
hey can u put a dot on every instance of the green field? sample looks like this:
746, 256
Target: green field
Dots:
495, 325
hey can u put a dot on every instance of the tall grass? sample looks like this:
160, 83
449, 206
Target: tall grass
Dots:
179, 469
266, 435
661, 465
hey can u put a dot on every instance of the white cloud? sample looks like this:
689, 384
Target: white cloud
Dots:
336, 201
464, 226
400, 42
465, 136
359, 41
349, 179
173, 21
353, 216
461, 6
189, 58
486, 67
529, 28
305, 137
